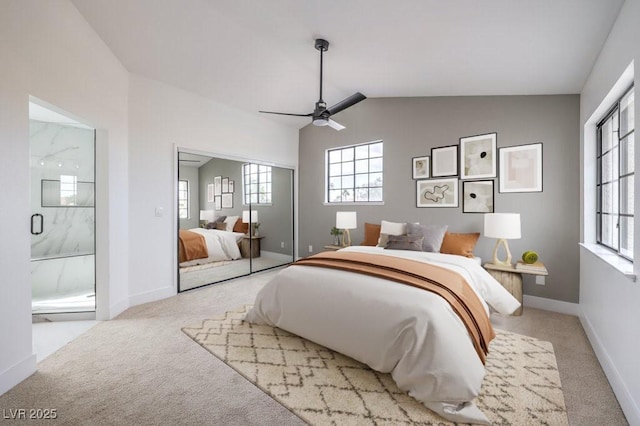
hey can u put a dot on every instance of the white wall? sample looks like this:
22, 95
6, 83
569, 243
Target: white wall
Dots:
163, 118
47, 50
608, 299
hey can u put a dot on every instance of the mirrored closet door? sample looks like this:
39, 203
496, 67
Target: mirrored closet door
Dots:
235, 218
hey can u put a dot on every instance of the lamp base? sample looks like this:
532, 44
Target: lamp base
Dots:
346, 238
507, 260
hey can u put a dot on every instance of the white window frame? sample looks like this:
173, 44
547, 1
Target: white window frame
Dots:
621, 211
187, 198
260, 175
344, 166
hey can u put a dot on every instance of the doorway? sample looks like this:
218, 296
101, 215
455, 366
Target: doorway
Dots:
63, 213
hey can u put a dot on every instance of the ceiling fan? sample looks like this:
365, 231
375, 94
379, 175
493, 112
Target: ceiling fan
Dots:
321, 115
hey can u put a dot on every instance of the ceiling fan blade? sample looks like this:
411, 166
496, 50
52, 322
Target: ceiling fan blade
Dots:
335, 125
286, 113
346, 103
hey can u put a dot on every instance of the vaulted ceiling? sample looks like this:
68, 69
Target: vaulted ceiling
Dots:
259, 54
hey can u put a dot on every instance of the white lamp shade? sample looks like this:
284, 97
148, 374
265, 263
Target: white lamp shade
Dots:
207, 215
346, 220
250, 217
502, 225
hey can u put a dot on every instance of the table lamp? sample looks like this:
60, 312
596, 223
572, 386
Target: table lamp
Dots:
503, 226
346, 221
207, 216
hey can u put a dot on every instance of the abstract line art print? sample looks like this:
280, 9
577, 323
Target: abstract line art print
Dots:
437, 193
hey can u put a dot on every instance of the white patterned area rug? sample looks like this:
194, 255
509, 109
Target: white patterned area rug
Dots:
323, 387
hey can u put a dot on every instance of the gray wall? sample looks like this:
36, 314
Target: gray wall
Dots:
191, 174
410, 127
276, 220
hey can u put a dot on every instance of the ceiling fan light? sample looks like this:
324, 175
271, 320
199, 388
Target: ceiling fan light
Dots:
320, 121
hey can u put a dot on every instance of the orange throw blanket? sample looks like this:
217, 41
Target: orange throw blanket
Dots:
191, 245
448, 284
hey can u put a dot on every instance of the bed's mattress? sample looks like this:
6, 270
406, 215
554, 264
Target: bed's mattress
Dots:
411, 333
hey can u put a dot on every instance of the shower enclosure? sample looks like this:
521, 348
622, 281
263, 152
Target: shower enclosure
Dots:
63, 217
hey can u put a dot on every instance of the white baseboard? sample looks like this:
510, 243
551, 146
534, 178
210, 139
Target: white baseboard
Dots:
14, 375
551, 305
625, 399
152, 296
114, 310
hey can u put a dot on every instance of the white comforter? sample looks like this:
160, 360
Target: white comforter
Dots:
221, 245
411, 333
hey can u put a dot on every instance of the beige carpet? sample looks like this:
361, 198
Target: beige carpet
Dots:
522, 385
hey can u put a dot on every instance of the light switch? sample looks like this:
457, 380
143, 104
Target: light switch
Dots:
159, 211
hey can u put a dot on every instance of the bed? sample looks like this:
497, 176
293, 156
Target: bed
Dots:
411, 333
198, 246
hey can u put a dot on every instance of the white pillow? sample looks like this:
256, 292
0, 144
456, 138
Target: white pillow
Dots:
231, 221
390, 228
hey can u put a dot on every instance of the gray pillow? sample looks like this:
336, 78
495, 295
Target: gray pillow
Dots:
432, 234
404, 242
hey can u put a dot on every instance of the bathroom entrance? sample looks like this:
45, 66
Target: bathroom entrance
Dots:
63, 213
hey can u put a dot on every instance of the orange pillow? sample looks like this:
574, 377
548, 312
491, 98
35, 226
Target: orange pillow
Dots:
371, 234
240, 226
460, 244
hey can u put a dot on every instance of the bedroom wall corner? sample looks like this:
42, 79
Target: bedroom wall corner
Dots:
162, 119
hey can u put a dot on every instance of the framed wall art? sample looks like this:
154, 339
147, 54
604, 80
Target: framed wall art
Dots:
521, 168
444, 161
217, 202
231, 186
225, 185
227, 201
210, 193
437, 193
420, 169
477, 196
478, 156
217, 185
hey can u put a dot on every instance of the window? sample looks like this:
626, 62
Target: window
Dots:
68, 190
354, 174
615, 180
183, 200
256, 184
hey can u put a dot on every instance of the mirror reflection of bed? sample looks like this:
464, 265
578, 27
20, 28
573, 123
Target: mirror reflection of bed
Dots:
235, 218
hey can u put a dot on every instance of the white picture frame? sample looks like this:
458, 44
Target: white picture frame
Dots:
210, 192
478, 156
444, 161
420, 167
437, 193
217, 185
521, 168
227, 201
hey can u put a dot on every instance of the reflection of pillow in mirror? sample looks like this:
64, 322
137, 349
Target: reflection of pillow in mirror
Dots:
404, 242
241, 226
231, 222
433, 235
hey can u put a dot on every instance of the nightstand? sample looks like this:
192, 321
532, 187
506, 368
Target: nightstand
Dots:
331, 247
250, 246
511, 279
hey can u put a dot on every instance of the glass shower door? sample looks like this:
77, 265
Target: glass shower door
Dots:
63, 217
